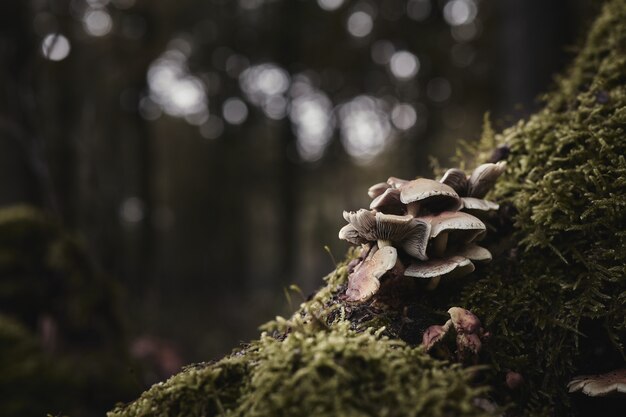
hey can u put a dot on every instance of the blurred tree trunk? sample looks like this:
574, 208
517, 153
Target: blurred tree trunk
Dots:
23, 177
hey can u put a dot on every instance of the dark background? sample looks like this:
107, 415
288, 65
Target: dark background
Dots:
205, 149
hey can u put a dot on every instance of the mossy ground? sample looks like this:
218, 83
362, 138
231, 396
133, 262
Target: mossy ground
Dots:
553, 299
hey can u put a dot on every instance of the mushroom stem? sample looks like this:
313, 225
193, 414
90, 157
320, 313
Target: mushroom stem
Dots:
382, 243
440, 243
413, 208
433, 283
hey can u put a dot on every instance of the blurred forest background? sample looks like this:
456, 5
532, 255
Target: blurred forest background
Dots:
197, 154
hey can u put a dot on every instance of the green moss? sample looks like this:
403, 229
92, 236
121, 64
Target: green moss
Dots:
320, 372
553, 299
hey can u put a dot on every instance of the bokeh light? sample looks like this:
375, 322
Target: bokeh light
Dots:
311, 118
97, 22
404, 65
235, 111
403, 116
264, 85
364, 128
330, 4
459, 12
55, 47
174, 89
360, 24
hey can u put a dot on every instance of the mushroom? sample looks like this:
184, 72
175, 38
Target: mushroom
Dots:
435, 269
483, 179
478, 204
429, 194
432, 336
464, 321
396, 182
475, 253
513, 380
389, 200
466, 329
601, 385
456, 179
409, 233
364, 281
377, 189
349, 233
464, 228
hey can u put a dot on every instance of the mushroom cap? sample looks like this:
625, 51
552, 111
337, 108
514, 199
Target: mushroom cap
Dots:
475, 253
364, 281
392, 227
410, 233
456, 179
451, 267
464, 321
513, 379
470, 227
613, 382
377, 189
349, 233
431, 193
432, 335
396, 182
478, 204
415, 242
483, 179
364, 221
469, 342
389, 199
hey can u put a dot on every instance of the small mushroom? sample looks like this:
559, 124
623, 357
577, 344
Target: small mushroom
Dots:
364, 281
613, 382
475, 253
464, 228
432, 335
435, 269
483, 179
396, 182
377, 189
472, 204
430, 194
364, 221
456, 179
464, 321
513, 380
389, 200
349, 233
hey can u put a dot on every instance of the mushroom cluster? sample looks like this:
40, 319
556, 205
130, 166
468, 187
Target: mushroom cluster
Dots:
420, 228
462, 334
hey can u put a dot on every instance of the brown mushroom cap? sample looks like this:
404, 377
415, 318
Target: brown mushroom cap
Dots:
432, 335
388, 200
456, 179
407, 232
433, 194
464, 321
377, 189
450, 267
364, 281
364, 221
478, 204
483, 179
396, 182
613, 382
465, 227
475, 253
349, 233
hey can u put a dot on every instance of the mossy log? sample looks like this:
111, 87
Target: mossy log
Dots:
553, 299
